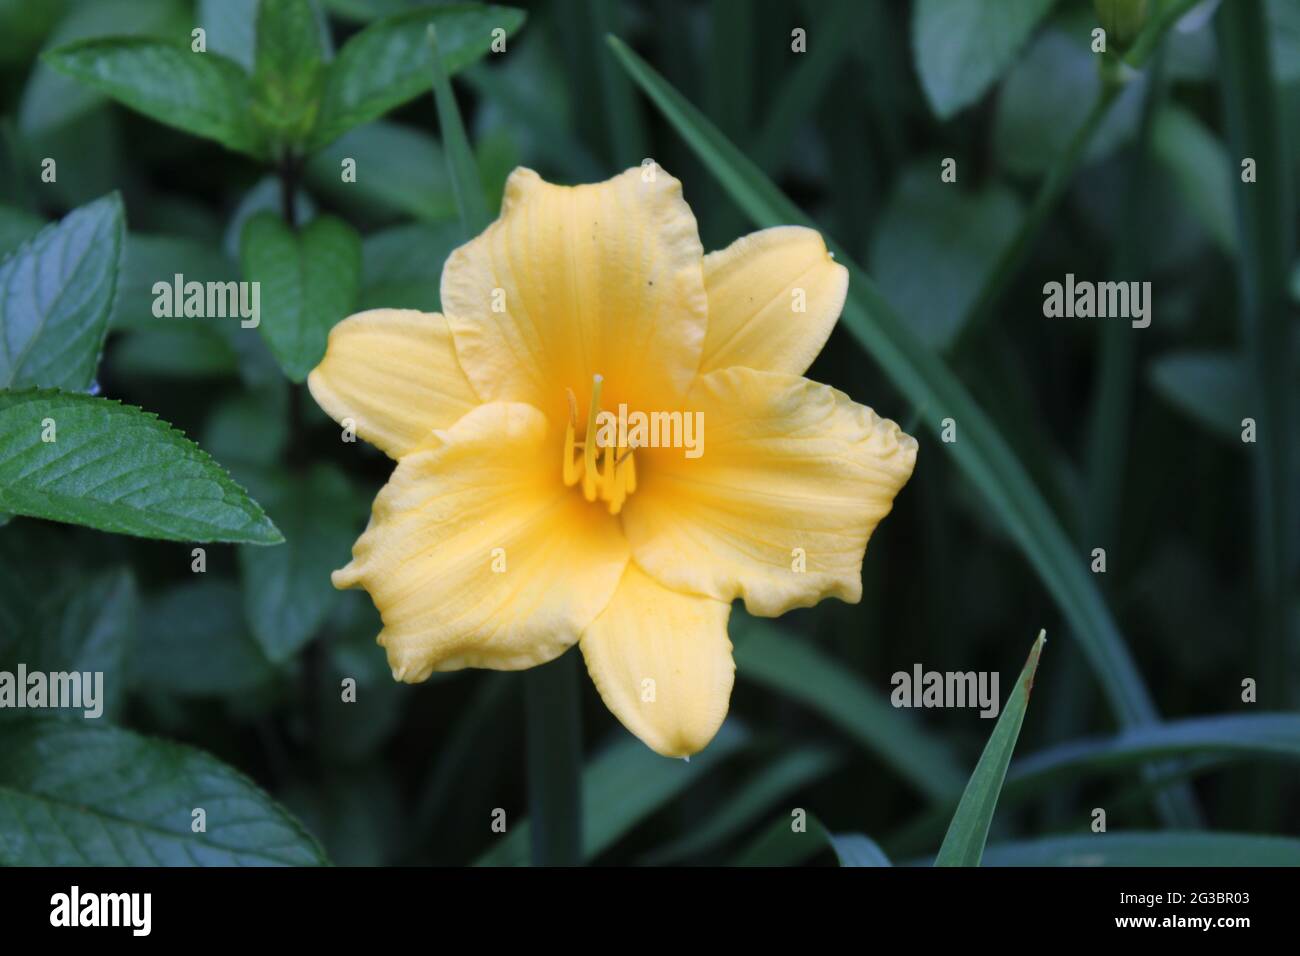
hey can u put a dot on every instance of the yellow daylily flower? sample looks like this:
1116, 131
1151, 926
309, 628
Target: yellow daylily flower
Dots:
519, 520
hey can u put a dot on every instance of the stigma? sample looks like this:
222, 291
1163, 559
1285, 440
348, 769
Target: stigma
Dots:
606, 474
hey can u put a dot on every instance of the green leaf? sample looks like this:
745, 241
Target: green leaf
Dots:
956, 233
926, 381
56, 295
117, 468
193, 642
150, 259
288, 74
186, 349
790, 665
1057, 78
396, 264
388, 63
231, 28
854, 849
204, 94
1230, 735
52, 101
1201, 167
16, 227
82, 625
961, 47
1210, 387
400, 170
1166, 848
620, 788
774, 780
969, 830
74, 793
287, 590
461, 168
308, 280
783, 845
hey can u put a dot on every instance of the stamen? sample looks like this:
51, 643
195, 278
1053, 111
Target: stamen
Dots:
589, 442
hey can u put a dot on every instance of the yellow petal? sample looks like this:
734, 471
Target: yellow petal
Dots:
477, 555
394, 373
572, 282
774, 296
662, 663
792, 479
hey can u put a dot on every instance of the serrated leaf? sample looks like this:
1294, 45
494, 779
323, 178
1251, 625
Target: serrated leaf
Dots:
82, 625
193, 642
204, 94
74, 793
53, 101
961, 47
388, 63
287, 590
288, 73
309, 281
117, 468
964, 843
56, 296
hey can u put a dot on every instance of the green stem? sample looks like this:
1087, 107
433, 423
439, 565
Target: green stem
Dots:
554, 746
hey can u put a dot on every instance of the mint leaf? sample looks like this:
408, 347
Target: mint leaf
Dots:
114, 798
201, 93
56, 294
117, 468
288, 73
308, 281
388, 62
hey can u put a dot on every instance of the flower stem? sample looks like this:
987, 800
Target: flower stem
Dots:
554, 746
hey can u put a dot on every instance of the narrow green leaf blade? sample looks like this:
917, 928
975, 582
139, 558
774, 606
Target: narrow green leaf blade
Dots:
388, 63
56, 296
308, 280
461, 167
854, 849
204, 94
1165, 848
73, 793
969, 830
117, 468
